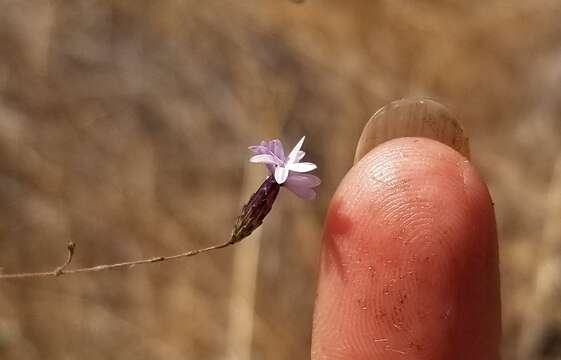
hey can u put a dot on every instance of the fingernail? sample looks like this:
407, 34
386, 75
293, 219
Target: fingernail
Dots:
412, 117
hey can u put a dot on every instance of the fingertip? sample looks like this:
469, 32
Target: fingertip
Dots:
409, 260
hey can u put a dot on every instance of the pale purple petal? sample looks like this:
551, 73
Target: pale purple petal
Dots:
281, 174
302, 167
294, 153
307, 180
278, 160
305, 193
276, 148
258, 149
302, 185
264, 159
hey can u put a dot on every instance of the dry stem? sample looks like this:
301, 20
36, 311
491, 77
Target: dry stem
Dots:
61, 270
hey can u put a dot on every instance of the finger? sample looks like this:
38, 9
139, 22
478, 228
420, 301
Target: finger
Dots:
409, 265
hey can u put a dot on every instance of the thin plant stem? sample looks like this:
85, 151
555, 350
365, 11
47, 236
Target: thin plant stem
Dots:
62, 270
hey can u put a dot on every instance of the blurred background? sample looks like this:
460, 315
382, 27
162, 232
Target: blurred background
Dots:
124, 127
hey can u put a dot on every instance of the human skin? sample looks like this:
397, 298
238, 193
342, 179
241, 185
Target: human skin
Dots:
409, 265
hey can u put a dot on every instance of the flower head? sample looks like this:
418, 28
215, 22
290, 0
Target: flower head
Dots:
287, 170
284, 171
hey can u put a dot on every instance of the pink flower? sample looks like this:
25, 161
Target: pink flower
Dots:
287, 171
283, 171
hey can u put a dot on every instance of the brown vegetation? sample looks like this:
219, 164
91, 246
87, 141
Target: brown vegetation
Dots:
124, 126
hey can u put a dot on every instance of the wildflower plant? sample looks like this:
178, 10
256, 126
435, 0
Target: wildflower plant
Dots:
284, 171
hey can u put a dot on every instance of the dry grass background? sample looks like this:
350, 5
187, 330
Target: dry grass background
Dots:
124, 126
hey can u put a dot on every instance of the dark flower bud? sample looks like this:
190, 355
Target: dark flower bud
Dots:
255, 210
